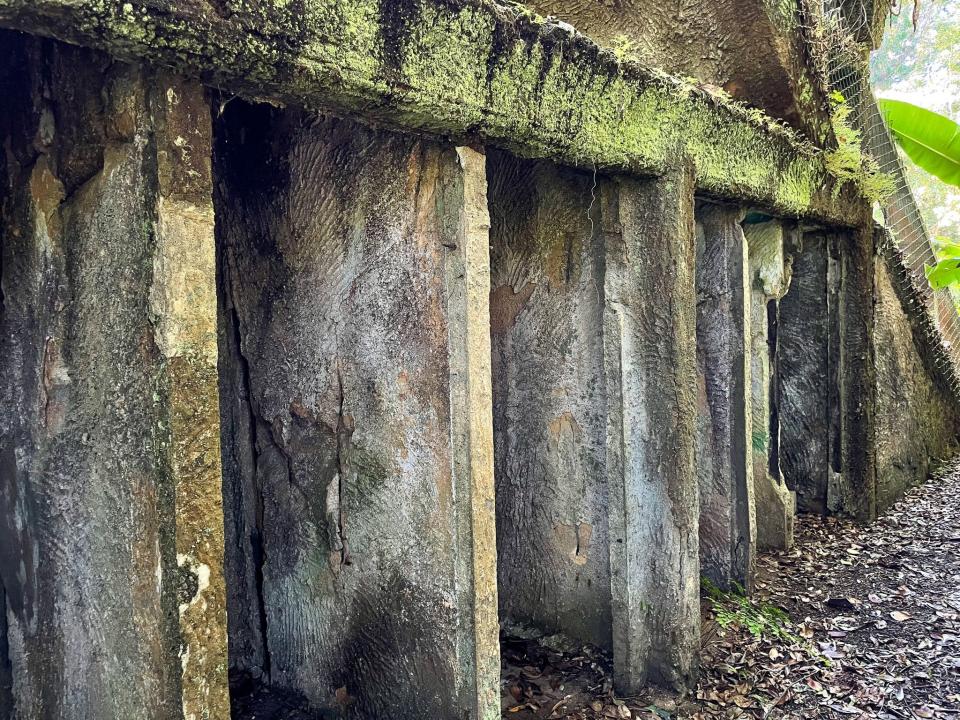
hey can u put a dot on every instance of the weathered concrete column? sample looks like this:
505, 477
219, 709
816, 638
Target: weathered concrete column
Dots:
111, 538
183, 301
807, 359
357, 415
596, 494
649, 326
724, 468
774, 502
856, 494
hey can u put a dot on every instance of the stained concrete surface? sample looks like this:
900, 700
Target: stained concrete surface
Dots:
109, 480
550, 409
724, 463
356, 403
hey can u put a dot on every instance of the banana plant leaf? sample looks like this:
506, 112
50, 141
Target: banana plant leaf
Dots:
946, 248
931, 140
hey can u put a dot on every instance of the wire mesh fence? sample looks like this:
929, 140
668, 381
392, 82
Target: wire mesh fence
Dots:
843, 27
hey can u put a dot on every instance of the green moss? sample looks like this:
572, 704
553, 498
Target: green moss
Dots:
472, 71
624, 48
759, 441
368, 472
848, 162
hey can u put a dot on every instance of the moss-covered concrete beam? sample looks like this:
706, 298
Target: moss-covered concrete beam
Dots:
464, 69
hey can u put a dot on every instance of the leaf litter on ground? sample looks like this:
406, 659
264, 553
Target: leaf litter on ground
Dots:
852, 622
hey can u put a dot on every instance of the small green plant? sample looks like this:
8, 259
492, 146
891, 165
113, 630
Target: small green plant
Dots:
848, 162
876, 185
736, 609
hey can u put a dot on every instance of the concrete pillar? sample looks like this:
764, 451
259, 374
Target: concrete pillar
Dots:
856, 492
775, 504
724, 464
591, 315
649, 326
357, 415
111, 538
6, 670
183, 301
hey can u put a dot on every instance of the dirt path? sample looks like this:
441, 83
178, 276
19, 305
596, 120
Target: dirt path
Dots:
883, 603
873, 632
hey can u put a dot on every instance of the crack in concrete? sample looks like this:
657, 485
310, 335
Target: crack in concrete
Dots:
6, 665
256, 537
342, 429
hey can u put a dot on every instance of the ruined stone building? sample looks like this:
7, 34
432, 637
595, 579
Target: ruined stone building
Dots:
335, 333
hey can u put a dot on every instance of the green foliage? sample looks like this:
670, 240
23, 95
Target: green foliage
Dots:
848, 162
912, 54
736, 609
922, 65
946, 272
930, 139
947, 42
920, 58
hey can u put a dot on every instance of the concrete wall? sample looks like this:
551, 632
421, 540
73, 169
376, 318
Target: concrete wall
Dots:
355, 385
111, 536
591, 313
865, 404
725, 476
549, 412
806, 380
918, 418
354, 397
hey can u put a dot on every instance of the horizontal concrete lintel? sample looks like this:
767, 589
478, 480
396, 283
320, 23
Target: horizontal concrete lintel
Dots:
463, 69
